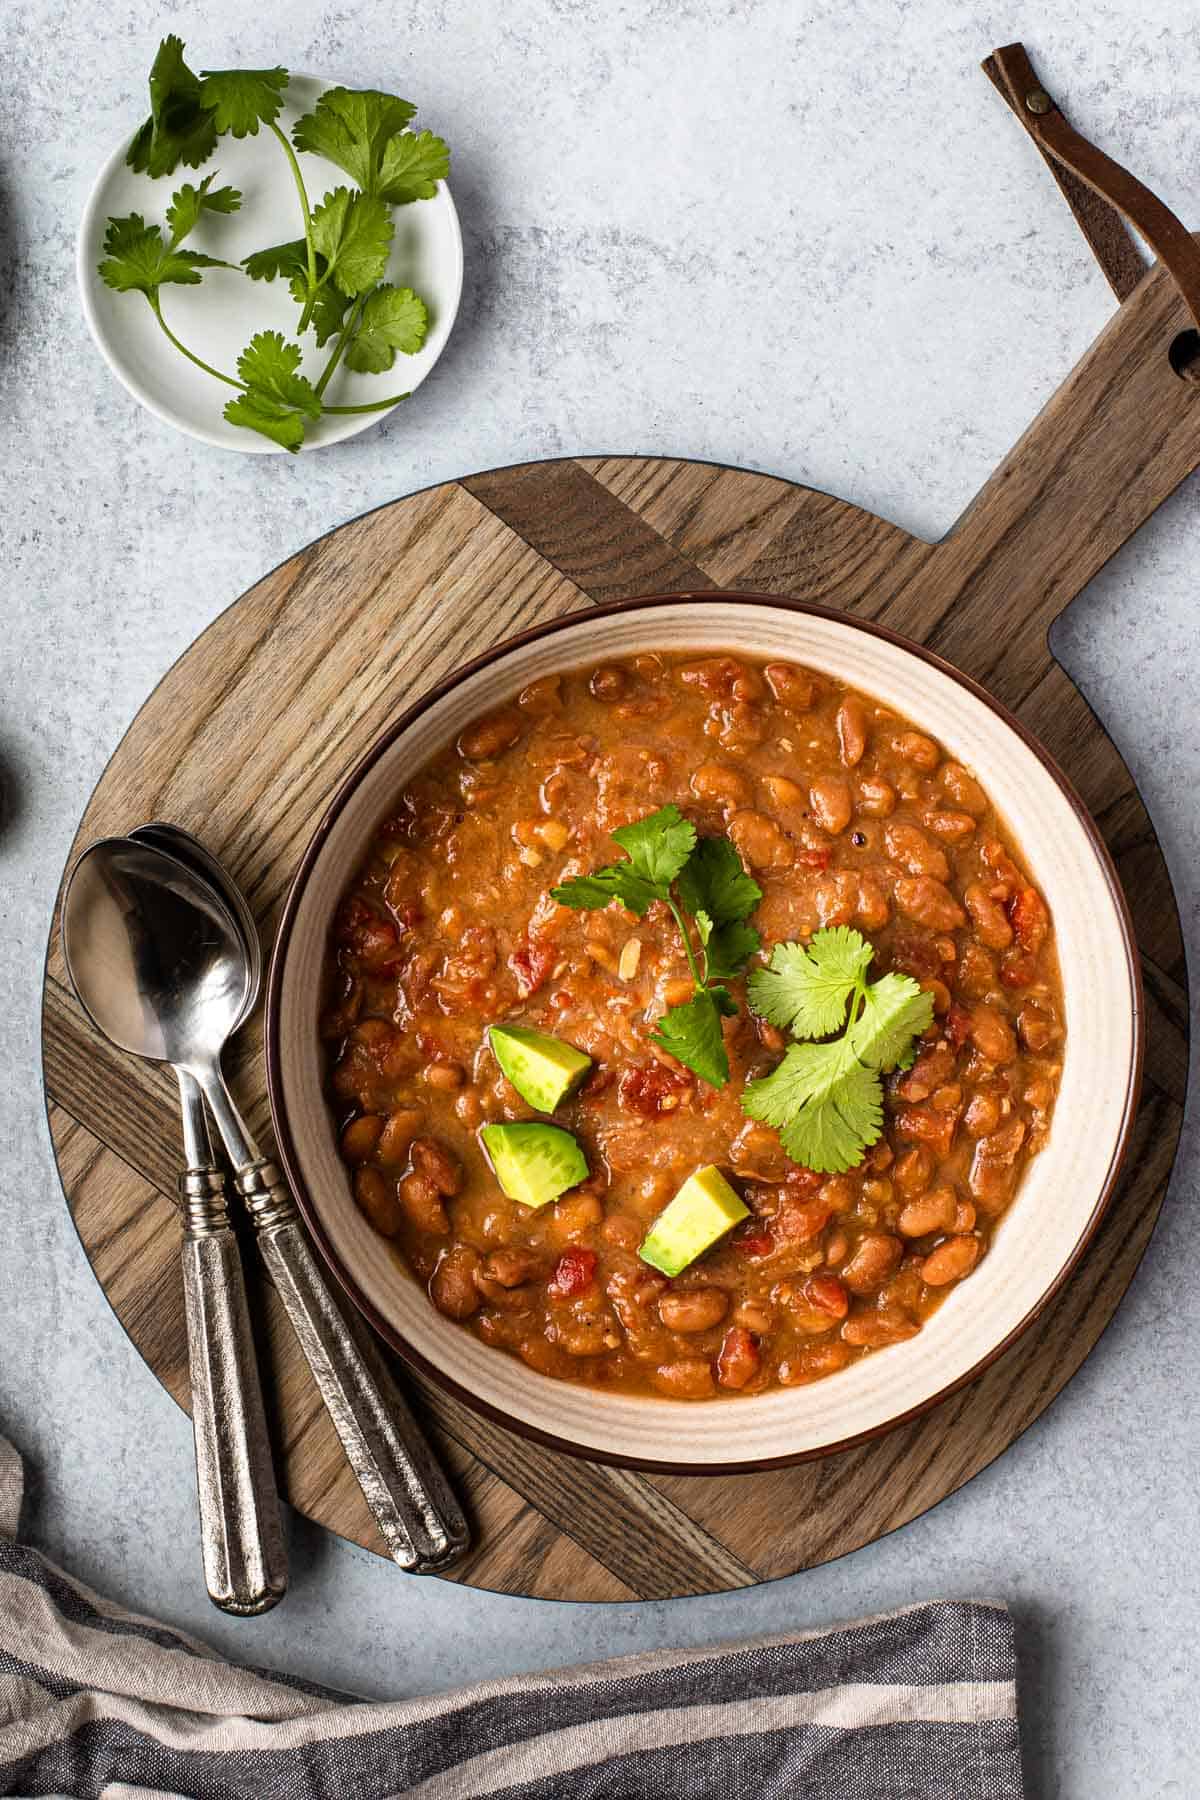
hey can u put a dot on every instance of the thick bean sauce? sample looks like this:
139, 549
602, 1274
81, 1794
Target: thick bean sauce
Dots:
845, 814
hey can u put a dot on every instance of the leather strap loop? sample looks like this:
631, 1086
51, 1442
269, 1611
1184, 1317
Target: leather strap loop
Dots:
1097, 188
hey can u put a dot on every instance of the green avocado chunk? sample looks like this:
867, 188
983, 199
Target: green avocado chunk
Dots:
542, 1068
533, 1163
703, 1210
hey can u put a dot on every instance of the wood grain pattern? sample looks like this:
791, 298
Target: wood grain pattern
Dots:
247, 737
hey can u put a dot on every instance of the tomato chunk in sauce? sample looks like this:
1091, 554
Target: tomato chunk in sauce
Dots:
845, 814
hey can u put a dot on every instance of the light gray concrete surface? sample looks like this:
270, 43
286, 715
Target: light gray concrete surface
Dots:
806, 238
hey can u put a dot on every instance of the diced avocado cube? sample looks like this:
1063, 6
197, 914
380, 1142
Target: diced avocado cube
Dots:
542, 1068
533, 1163
703, 1210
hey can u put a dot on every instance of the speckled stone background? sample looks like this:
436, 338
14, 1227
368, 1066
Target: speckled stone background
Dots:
807, 238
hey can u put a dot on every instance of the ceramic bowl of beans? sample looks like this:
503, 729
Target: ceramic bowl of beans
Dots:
596, 1240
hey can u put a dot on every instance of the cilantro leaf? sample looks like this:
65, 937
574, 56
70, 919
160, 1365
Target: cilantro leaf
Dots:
729, 948
586, 893
269, 366
806, 991
240, 100
179, 129
353, 232
353, 128
659, 845
392, 319
895, 1012
692, 1034
138, 261
714, 881
279, 259
329, 307
183, 214
827, 1106
412, 166
258, 412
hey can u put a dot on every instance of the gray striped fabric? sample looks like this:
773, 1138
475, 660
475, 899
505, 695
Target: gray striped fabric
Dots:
98, 1702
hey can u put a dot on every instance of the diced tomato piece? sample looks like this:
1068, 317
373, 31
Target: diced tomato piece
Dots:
827, 1294
573, 1272
755, 1240
813, 859
925, 1125
597, 1083
738, 1359
531, 962
1029, 919
1018, 968
651, 1090
957, 1024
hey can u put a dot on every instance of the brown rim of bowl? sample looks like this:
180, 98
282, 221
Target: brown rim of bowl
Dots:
287, 1150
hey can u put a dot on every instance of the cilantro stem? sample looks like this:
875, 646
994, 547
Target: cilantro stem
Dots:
375, 405
687, 945
343, 339
310, 247
229, 381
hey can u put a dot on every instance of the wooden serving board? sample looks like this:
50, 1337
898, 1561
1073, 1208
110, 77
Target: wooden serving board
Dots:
250, 732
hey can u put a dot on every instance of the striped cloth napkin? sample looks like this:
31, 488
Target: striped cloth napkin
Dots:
102, 1703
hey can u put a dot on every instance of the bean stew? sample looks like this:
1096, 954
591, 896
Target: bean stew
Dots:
844, 814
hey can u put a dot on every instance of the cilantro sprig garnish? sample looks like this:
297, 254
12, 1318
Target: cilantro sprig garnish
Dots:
334, 270
710, 896
826, 1099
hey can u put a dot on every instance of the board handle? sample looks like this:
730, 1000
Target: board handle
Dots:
1116, 439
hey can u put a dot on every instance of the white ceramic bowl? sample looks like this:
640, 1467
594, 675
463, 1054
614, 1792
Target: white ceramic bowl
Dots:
218, 317
1064, 1190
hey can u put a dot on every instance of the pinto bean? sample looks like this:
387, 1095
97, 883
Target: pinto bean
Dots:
827, 1294
423, 1204
951, 827
609, 684
452, 1284
852, 731
1036, 1026
933, 1211
794, 688
963, 789
438, 1166
832, 807
738, 1360
916, 853
542, 697
718, 782
914, 747
377, 1197
982, 1115
509, 1266
360, 1137
724, 676
760, 841
929, 902
875, 798
693, 1309
754, 1315
691, 1378
397, 1135
913, 1171
874, 1330
991, 1034
814, 1362
950, 1261
876, 1258
489, 737
987, 916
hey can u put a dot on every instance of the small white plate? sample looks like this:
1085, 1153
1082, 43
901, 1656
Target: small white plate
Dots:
218, 318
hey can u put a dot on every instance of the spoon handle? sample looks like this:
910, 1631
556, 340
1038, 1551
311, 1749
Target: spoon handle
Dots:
409, 1497
241, 1534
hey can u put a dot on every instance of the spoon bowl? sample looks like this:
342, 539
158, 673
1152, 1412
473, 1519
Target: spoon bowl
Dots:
185, 848
155, 955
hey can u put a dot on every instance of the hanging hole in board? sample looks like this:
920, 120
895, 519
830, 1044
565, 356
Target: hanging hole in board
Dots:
1184, 355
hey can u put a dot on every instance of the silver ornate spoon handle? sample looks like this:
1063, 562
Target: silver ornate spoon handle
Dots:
410, 1498
241, 1533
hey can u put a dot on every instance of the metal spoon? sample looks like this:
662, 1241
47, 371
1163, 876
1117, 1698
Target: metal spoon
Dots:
241, 1533
169, 967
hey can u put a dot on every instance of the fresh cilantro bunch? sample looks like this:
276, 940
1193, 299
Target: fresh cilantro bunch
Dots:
334, 270
703, 878
827, 1098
